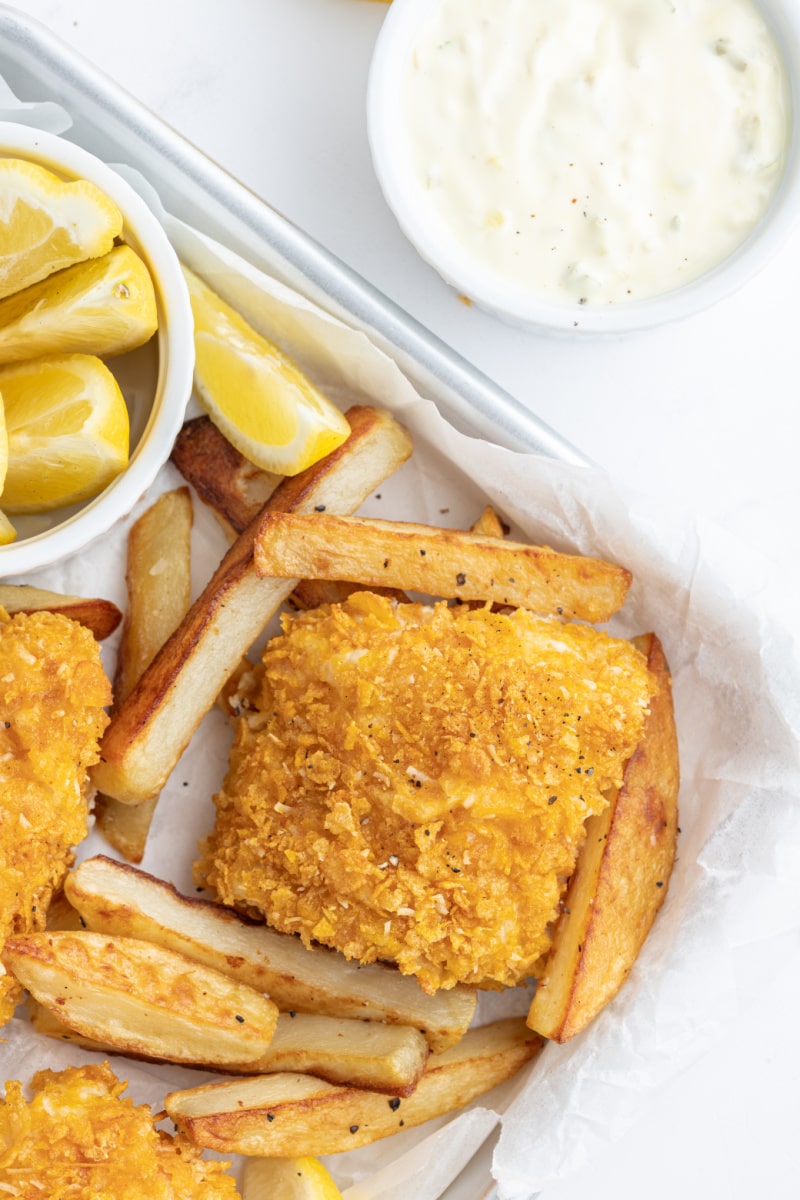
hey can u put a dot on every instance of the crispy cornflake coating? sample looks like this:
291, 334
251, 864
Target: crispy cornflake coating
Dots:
416, 783
52, 692
78, 1139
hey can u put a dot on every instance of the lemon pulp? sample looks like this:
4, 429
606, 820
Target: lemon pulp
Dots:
256, 394
104, 306
7, 531
47, 223
68, 431
3, 446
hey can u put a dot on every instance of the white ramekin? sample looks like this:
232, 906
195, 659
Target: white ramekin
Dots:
385, 117
162, 389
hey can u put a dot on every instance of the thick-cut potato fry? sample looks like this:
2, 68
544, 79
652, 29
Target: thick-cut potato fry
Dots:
46, 1022
488, 524
621, 877
152, 727
100, 616
117, 899
142, 999
223, 478
159, 590
159, 584
280, 1115
364, 1054
62, 915
441, 562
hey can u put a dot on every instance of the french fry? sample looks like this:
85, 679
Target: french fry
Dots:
46, 1022
159, 585
61, 915
311, 593
101, 616
290, 1114
364, 1054
620, 879
142, 999
488, 524
120, 900
440, 562
152, 727
224, 479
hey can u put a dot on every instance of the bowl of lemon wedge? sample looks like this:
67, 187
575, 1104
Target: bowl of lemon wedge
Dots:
96, 348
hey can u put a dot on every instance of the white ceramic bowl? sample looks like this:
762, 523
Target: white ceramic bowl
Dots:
156, 379
385, 127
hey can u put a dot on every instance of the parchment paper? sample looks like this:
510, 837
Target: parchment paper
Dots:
736, 668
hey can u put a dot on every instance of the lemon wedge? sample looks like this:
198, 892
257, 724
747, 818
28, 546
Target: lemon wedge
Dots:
67, 428
255, 394
288, 1179
104, 306
47, 223
3, 446
7, 531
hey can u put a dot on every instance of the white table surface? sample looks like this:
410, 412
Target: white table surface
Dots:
702, 415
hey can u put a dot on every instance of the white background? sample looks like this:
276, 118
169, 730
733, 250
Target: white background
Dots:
702, 415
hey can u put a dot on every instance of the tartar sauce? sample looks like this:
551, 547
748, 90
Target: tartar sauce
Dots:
594, 151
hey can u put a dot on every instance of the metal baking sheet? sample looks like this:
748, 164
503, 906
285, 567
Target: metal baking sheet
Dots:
115, 126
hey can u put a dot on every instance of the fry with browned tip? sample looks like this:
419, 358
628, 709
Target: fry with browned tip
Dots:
439, 562
101, 617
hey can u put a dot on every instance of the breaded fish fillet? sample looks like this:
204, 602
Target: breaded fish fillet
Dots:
416, 784
78, 1139
52, 691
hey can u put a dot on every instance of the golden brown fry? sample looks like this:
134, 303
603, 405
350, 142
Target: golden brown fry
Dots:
61, 915
46, 1022
287, 1115
153, 726
117, 899
489, 524
224, 479
125, 826
621, 877
159, 584
364, 1054
440, 562
313, 593
159, 591
142, 999
100, 616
